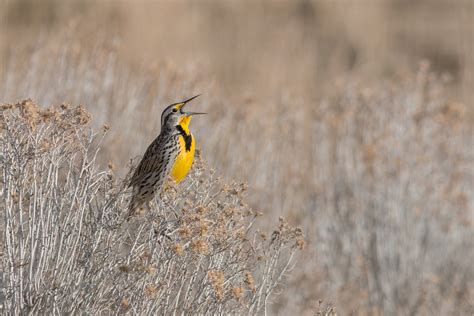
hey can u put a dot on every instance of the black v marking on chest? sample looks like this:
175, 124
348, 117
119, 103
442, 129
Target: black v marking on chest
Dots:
188, 138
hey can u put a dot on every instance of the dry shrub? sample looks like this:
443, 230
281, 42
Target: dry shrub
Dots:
67, 249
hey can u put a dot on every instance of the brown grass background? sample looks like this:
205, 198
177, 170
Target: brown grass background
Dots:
352, 118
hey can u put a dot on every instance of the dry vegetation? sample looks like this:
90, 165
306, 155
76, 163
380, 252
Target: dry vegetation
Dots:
68, 250
344, 130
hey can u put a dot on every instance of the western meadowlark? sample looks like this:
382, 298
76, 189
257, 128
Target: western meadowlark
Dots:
170, 154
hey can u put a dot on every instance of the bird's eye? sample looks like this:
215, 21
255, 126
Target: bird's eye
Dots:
175, 110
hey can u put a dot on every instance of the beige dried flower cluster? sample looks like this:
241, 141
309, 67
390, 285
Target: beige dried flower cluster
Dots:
68, 248
216, 278
63, 116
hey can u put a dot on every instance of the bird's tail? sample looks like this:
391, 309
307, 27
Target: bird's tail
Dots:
133, 207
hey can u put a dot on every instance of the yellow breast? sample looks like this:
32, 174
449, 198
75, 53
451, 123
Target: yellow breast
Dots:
184, 161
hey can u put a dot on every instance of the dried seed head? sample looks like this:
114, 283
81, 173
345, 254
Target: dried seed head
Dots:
30, 112
201, 210
184, 231
150, 291
229, 212
178, 249
220, 231
237, 292
125, 303
203, 228
299, 231
240, 234
216, 278
225, 188
81, 116
48, 115
300, 243
5, 107
200, 246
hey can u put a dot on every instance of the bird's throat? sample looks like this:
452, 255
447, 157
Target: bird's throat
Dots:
184, 123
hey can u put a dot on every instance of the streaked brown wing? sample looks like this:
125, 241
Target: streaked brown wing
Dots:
152, 159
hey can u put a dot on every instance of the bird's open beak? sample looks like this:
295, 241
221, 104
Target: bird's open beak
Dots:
194, 113
182, 104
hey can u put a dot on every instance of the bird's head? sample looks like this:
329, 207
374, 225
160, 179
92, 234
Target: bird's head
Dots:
175, 114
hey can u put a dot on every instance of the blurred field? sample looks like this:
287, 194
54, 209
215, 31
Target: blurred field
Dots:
353, 119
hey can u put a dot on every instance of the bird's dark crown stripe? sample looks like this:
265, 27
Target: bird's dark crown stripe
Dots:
167, 117
188, 138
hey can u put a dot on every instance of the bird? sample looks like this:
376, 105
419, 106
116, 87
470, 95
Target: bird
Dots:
170, 154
